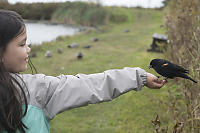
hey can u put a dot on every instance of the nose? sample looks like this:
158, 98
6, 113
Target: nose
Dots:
28, 49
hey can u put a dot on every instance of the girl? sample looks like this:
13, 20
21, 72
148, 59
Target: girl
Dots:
28, 102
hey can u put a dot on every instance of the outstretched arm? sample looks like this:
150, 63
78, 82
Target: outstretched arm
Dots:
57, 94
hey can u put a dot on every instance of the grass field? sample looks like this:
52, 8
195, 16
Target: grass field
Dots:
130, 113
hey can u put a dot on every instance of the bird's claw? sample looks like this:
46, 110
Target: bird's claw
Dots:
166, 80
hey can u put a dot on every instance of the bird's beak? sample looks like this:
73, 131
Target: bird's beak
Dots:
150, 66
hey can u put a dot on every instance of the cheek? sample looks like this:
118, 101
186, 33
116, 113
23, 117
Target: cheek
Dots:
15, 59
18, 52
19, 56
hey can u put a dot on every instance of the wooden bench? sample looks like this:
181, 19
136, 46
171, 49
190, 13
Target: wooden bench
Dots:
160, 39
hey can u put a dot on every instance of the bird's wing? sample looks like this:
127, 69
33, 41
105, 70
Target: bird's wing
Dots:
175, 67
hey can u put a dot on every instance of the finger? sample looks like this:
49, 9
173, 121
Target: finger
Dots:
159, 81
162, 82
158, 85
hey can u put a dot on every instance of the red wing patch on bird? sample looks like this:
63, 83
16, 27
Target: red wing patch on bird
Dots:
166, 64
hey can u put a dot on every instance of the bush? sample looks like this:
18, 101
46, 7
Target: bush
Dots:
34, 11
81, 14
77, 13
183, 28
118, 18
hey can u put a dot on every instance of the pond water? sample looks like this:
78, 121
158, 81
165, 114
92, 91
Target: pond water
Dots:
40, 32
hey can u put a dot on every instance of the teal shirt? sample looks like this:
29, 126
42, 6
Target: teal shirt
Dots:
36, 121
51, 95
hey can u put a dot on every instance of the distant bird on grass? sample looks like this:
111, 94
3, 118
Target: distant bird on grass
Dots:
87, 46
48, 54
73, 45
169, 70
32, 54
79, 55
59, 50
126, 30
95, 39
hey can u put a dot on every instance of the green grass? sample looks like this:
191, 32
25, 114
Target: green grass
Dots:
129, 113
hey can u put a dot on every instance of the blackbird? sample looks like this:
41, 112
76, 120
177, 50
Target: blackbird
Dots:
169, 70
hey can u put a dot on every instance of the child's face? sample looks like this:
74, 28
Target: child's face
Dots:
15, 57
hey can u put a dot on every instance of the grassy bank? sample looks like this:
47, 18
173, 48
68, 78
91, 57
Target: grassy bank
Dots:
130, 113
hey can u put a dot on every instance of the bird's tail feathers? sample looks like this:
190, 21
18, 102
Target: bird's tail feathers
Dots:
187, 77
193, 80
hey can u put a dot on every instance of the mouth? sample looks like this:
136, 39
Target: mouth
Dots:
26, 59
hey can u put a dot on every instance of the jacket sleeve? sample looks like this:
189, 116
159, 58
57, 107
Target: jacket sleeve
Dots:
64, 92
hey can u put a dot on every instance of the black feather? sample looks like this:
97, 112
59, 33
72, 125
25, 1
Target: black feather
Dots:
169, 70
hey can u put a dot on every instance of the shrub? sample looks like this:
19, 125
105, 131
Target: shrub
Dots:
183, 28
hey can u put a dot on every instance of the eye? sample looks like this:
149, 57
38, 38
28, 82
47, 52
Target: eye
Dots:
23, 44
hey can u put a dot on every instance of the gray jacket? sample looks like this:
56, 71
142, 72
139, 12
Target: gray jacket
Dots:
56, 94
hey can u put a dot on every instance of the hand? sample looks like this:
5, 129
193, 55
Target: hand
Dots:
154, 82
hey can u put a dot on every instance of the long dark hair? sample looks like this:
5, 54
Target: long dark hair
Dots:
13, 100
